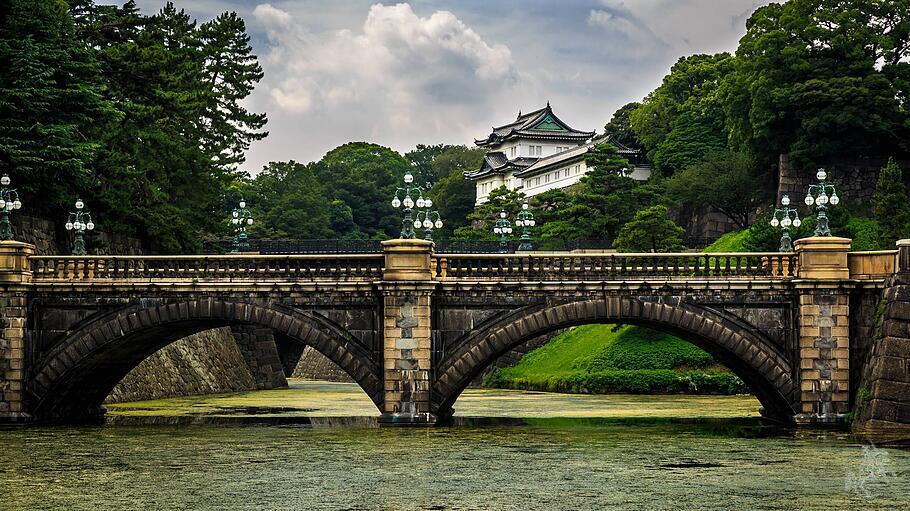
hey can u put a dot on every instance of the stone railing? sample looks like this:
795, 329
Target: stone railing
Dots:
559, 267
230, 268
877, 265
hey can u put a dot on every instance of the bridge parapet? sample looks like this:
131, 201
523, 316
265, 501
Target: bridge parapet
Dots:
878, 265
578, 267
227, 268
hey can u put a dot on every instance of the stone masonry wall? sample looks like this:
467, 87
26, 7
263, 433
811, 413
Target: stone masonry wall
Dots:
883, 399
854, 177
209, 362
316, 366
48, 241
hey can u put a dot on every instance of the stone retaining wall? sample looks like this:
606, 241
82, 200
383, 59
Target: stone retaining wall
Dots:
205, 363
883, 399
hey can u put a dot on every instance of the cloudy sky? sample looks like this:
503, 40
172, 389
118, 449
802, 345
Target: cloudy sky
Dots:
432, 71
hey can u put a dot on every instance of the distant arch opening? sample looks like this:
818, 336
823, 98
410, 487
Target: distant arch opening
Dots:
745, 352
71, 382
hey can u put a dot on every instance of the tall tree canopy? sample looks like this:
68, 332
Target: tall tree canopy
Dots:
52, 104
682, 119
140, 114
620, 129
822, 78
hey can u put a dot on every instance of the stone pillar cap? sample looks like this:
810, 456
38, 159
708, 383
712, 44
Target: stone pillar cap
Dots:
903, 243
823, 242
401, 242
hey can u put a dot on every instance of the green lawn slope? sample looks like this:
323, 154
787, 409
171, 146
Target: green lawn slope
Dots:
600, 359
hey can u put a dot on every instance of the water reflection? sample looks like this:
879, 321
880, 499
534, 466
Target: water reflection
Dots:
623, 459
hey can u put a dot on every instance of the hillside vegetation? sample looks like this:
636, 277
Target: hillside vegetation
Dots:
600, 359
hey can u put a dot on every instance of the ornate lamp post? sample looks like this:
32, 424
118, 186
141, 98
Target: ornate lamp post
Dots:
503, 227
430, 220
818, 195
241, 218
9, 200
786, 217
525, 221
79, 221
405, 197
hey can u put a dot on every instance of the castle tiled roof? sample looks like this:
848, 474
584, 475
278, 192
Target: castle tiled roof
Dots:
540, 124
496, 162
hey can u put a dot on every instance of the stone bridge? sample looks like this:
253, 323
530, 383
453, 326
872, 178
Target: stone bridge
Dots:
413, 328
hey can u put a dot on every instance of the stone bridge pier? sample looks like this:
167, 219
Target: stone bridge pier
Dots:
816, 334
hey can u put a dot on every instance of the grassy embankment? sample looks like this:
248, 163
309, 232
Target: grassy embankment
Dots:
600, 359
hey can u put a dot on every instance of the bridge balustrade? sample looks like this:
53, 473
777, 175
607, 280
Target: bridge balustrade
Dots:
201, 268
543, 267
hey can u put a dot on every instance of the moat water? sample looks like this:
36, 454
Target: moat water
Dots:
317, 446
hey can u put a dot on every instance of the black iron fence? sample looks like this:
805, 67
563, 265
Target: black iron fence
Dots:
374, 246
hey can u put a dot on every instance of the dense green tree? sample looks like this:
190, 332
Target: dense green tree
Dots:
288, 201
422, 158
164, 169
364, 176
52, 104
651, 230
453, 194
620, 126
683, 118
891, 205
231, 72
484, 216
726, 181
821, 78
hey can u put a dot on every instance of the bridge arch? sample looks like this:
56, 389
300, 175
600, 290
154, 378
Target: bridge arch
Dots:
73, 379
744, 351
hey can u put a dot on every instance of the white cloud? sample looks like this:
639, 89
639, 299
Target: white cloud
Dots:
398, 79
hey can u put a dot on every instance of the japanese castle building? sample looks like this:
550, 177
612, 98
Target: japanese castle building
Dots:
539, 152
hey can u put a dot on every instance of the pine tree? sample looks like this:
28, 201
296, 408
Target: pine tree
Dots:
650, 231
891, 205
51, 103
231, 72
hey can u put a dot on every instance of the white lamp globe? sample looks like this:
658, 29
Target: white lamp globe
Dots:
797, 222
396, 203
785, 200
532, 222
235, 221
2, 204
834, 199
4, 180
427, 224
69, 226
809, 200
90, 226
821, 174
79, 204
428, 203
524, 206
249, 221
235, 214
419, 203
822, 199
497, 230
786, 222
508, 230
519, 223
408, 202
417, 224
438, 224
775, 222
242, 204
502, 214
17, 204
408, 178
